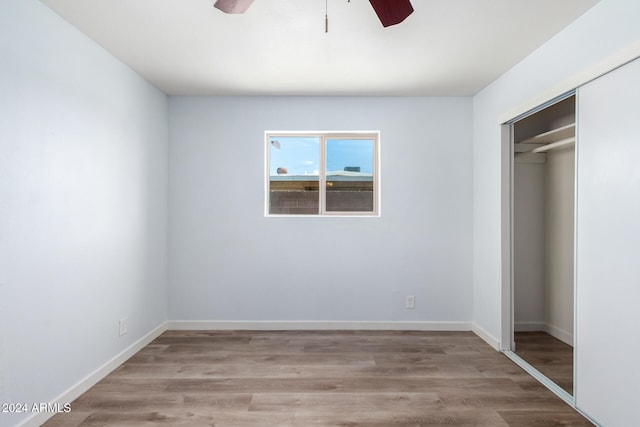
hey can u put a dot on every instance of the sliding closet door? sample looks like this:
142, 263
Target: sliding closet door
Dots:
608, 248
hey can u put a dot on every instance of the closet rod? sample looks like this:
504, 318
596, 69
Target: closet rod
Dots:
554, 145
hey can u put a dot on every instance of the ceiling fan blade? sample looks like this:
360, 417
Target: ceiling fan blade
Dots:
233, 6
392, 12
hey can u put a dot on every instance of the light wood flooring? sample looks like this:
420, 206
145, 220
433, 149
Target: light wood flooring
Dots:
318, 378
548, 355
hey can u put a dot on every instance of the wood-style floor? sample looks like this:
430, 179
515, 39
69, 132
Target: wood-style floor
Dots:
318, 378
548, 355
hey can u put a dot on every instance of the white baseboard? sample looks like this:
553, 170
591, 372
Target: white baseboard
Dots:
486, 336
554, 331
529, 326
93, 378
182, 325
562, 335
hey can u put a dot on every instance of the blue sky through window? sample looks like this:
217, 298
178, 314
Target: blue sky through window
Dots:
301, 155
352, 153
298, 155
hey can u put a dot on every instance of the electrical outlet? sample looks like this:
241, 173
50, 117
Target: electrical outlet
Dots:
122, 326
410, 302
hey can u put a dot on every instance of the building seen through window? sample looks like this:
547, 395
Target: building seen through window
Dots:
322, 174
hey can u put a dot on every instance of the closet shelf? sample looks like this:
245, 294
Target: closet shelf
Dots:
531, 150
551, 146
554, 135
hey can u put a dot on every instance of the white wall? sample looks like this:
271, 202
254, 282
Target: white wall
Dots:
230, 263
83, 161
559, 242
529, 246
610, 26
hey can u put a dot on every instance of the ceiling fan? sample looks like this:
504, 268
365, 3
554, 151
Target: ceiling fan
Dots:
390, 12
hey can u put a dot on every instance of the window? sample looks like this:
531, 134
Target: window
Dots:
322, 173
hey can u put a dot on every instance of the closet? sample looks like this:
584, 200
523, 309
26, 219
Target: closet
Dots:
571, 244
543, 153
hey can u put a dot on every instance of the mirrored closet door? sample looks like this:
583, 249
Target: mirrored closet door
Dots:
543, 190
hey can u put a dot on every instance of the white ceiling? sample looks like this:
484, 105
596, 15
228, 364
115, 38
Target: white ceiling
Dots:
279, 47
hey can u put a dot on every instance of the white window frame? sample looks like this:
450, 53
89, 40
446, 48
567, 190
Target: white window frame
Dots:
323, 136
